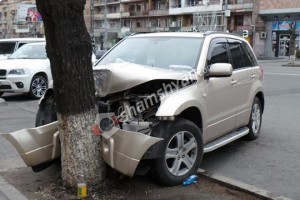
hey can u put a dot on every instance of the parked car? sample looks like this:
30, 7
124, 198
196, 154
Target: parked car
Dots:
164, 100
8, 46
27, 70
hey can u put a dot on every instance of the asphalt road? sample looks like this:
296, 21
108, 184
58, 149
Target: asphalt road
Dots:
271, 162
18, 113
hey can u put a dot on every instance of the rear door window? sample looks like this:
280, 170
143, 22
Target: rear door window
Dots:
240, 58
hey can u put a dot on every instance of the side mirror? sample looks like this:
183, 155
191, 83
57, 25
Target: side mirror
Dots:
220, 70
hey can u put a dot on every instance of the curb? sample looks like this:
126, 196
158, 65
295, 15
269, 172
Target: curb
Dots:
240, 186
9, 191
291, 65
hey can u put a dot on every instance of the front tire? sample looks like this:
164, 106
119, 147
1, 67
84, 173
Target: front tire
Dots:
255, 120
183, 151
38, 86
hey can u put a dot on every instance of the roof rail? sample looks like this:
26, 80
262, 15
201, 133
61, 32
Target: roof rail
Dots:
220, 32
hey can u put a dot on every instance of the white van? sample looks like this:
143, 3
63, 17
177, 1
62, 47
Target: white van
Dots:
8, 46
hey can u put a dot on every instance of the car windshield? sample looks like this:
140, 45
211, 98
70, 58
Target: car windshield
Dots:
180, 53
30, 51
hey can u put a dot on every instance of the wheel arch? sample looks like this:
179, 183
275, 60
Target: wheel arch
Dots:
261, 98
193, 114
44, 74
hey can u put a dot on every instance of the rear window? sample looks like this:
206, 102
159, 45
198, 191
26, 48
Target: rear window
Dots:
7, 47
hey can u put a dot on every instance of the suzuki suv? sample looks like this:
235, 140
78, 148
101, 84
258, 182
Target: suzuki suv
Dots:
164, 100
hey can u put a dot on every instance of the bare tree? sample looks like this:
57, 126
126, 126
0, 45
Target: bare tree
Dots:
69, 49
292, 47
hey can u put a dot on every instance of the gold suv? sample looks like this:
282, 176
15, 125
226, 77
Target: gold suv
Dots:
164, 99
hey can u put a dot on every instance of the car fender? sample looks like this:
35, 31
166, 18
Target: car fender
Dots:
173, 104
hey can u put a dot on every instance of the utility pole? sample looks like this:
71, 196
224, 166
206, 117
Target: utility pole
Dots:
105, 25
225, 13
92, 17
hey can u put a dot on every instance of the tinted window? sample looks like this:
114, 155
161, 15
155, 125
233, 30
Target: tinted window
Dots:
217, 52
250, 54
240, 58
7, 47
21, 44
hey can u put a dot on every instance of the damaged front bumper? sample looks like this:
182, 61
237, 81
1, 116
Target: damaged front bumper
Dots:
121, 149
36, 145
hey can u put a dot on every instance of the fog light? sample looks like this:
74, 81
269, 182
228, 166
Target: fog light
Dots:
20, 85
106, 124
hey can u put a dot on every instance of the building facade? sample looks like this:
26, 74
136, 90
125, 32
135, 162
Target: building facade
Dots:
20, 19
276, 16
265, 24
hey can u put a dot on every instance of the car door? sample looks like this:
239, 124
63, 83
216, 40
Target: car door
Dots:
244, 77
219, 94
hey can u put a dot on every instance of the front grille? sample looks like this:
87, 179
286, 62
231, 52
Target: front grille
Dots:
2, 72
5, 87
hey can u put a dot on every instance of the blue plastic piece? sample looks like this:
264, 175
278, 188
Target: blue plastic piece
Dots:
190, 180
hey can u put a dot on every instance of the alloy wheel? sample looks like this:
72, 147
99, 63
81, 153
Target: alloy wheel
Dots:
38, 86
181, 153
256, 118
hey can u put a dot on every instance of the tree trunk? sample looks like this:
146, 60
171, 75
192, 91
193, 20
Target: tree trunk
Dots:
292, 46
69, 49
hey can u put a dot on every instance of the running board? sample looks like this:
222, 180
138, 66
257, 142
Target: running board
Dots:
226, 139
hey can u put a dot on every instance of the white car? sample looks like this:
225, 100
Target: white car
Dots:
27, 70
9, 46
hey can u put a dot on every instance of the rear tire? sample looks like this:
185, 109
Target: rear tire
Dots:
182, 154
255, 120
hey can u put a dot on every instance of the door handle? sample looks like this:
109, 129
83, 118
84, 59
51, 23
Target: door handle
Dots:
253, 76
233, 82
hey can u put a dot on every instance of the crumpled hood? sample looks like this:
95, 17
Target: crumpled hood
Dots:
118, 77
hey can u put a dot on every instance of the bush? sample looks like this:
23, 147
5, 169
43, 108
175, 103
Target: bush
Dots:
298, 54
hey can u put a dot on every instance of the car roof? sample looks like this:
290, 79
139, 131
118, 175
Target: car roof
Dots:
22, 39
35, 43
186, 34
170, 34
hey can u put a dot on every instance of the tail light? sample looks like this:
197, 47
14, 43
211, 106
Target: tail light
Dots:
261, 75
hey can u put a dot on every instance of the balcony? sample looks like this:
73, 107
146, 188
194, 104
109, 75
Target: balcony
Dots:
240, 5
100, 31
158, 12
139, 29
22, 28
113, 15
239, 1
108, 2
98, 16
125, 14
159, 29
108, 16
130, 1
194, 6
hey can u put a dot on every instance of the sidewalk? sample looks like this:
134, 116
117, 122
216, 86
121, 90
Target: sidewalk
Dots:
23, 184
